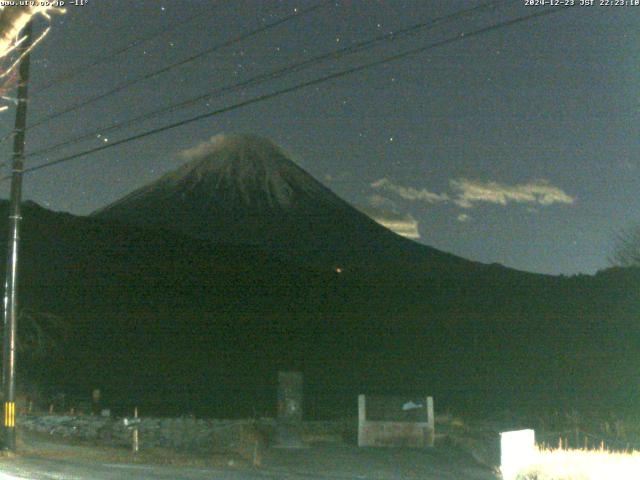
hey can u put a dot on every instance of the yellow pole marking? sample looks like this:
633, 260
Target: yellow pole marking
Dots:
9, 414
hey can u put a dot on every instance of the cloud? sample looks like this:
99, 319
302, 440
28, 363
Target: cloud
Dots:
410, 193
539, 192
402, 224
380, 201
467, 194
406, 226
203, 148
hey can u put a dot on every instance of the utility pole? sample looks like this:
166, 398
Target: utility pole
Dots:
13, 242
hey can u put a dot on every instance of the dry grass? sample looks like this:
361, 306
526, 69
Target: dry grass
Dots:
49, 446
561, 464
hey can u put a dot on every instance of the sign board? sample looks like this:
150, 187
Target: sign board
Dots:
395, 421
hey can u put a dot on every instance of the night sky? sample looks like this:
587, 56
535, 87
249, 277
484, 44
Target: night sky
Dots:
519, 146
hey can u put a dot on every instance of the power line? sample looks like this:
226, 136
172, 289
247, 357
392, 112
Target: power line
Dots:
105, 58
274, 74
100, 59
300, 86
172, 66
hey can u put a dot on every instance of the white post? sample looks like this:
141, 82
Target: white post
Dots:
430, 416
136, 442
362, 417
431, 421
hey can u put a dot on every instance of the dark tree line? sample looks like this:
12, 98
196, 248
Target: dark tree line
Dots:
627, 248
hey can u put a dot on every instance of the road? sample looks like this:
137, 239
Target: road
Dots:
56, 469
318, 463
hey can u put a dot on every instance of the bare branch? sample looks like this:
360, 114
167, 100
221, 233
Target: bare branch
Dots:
627, 249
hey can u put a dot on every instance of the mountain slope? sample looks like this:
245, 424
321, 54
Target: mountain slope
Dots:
184, 296
173, 324
245, 190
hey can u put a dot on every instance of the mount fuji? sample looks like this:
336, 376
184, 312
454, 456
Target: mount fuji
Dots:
243, 189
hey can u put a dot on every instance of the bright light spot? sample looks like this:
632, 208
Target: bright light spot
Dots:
6, 476
584, 464
517, 450
520, 458
105, 140
338, 269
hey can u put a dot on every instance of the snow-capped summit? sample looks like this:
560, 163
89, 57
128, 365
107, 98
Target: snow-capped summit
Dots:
244, 168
